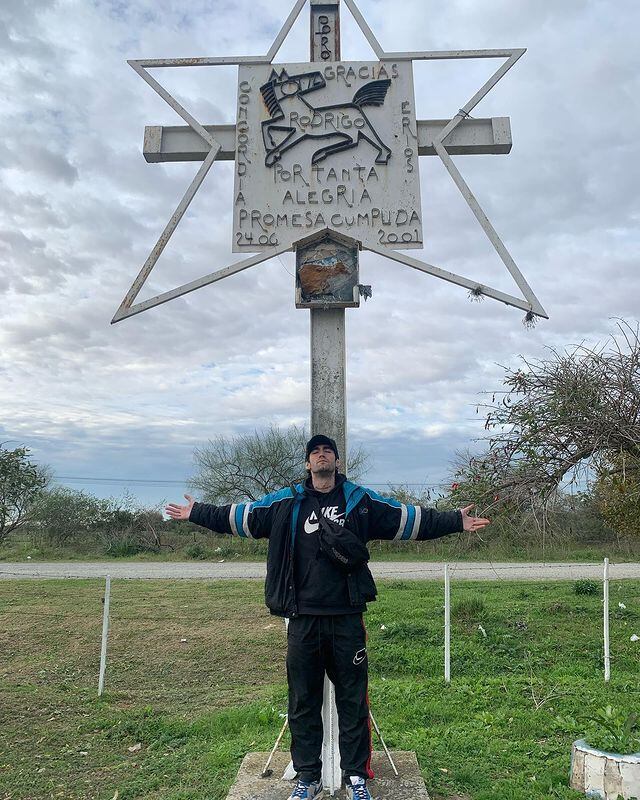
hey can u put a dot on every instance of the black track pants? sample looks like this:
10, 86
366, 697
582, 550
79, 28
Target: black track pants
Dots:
338, 645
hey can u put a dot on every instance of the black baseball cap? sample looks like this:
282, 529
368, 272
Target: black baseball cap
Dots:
319, 439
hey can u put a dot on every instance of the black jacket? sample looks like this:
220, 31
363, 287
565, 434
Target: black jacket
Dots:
275, 517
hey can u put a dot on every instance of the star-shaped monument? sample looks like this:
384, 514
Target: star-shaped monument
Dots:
379, 112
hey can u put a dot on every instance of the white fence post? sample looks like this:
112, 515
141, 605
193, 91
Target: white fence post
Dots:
607, 659
447, 625
105, 631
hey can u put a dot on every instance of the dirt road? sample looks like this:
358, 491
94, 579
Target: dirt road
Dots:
225, 570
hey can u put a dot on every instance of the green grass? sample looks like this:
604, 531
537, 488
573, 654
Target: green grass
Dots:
521, 692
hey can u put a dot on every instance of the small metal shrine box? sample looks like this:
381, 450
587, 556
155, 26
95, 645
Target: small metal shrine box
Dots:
327, 273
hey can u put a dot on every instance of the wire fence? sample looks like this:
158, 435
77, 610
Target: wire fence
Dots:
171, 610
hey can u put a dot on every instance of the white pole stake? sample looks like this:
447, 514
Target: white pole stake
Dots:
386, 749
105, 631
607, 659
266, 772
447, 625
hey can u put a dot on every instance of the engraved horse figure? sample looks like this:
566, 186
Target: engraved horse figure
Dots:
284, 94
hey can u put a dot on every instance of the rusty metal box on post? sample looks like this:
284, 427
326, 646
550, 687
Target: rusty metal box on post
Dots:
327, 271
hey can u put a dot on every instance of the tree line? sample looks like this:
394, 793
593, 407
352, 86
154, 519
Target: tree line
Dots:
560, 455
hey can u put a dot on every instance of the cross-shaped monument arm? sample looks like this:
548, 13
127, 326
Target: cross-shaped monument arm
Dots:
490, 136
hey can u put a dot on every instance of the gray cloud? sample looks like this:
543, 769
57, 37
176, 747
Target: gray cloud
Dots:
81, 209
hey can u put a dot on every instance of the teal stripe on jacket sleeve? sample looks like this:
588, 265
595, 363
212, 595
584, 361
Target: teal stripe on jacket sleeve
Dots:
408, 528
238, 520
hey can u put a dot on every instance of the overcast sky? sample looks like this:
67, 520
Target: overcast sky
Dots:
80, 209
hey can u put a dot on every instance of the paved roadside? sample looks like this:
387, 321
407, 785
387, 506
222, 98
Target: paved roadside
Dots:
230, 570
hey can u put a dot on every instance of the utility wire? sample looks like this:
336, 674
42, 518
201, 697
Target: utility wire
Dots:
174, 482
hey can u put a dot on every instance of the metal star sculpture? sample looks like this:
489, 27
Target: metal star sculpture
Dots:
528, 302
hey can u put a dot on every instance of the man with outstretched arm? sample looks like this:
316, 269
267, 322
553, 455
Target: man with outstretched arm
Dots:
317, 577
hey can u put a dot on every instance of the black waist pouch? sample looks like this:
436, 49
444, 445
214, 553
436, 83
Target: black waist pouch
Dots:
350, 554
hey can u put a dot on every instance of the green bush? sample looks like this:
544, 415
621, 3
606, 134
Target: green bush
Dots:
64, 516
586, 586
196, 550
124, 547
614, 731
470, 609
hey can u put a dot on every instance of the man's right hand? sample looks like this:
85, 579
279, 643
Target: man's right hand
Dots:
180, 512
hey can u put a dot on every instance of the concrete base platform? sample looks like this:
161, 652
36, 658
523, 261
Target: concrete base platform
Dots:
385, 786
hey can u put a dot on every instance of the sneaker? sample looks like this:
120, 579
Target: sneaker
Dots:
358, 789
306, 791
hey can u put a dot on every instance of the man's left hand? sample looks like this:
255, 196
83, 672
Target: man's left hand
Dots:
470, 523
